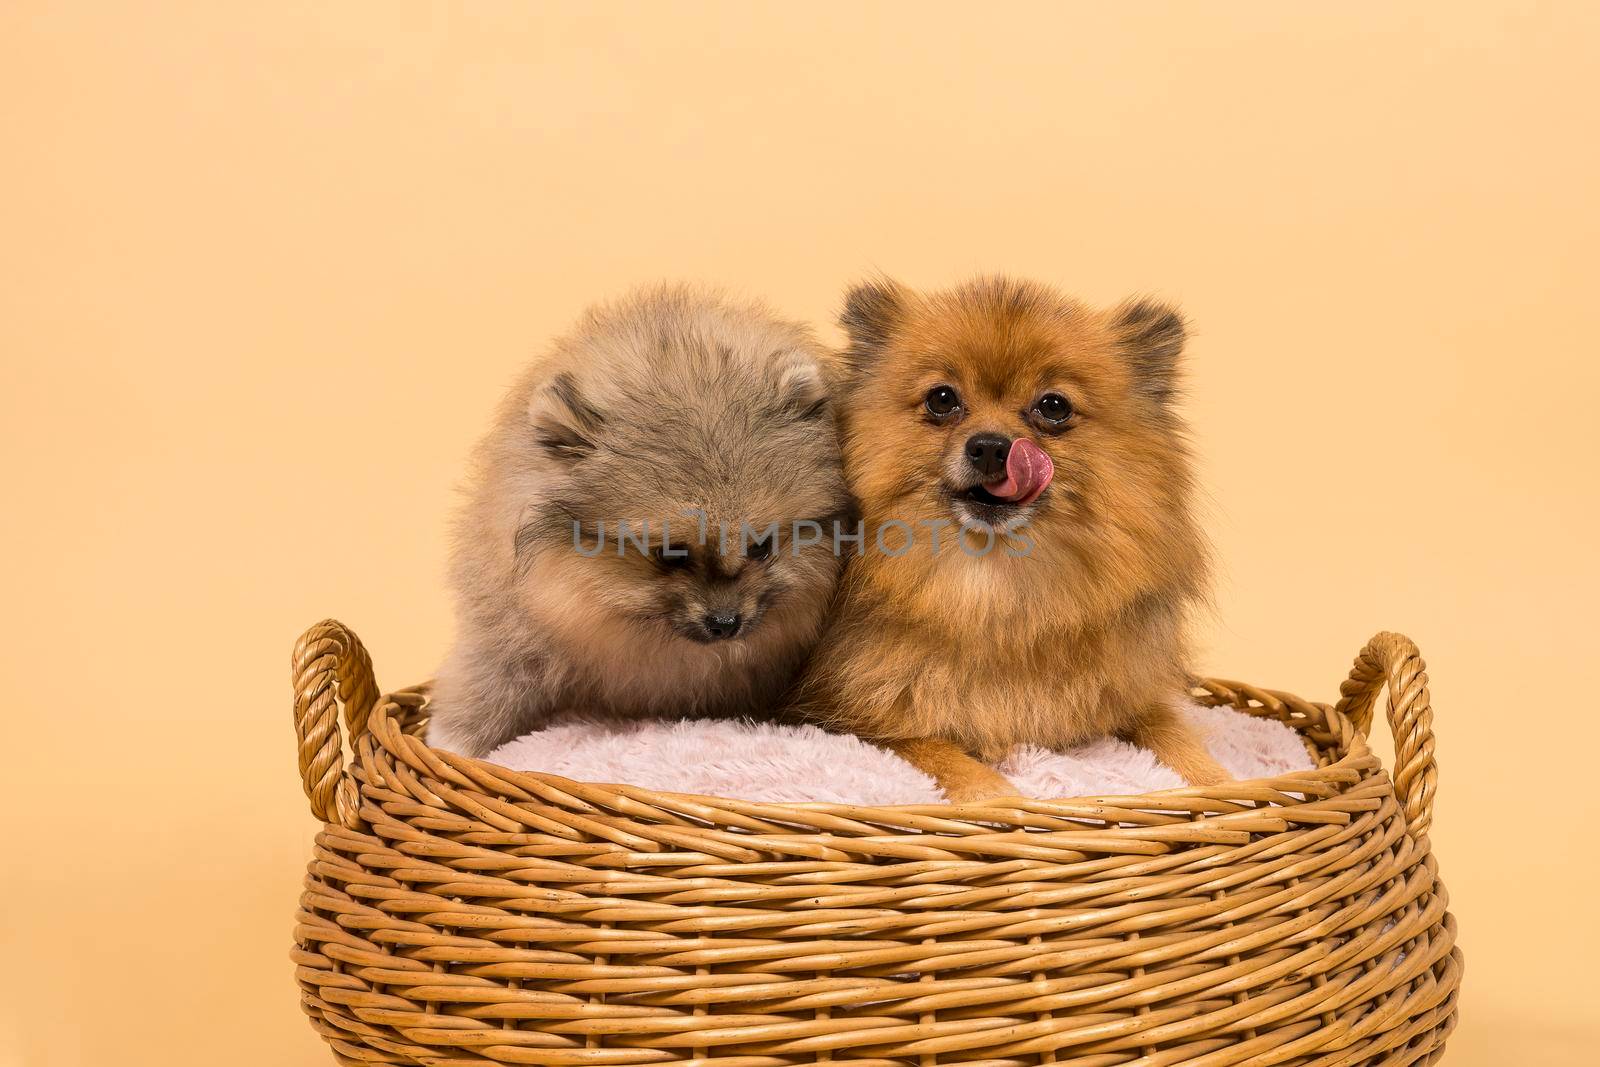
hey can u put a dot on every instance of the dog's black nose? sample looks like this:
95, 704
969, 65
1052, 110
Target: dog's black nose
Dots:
987, 453
720, 626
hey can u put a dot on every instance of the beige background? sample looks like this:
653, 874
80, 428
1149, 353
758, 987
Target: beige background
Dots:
264, 270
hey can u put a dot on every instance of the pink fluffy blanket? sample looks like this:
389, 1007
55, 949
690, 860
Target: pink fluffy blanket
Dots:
797, 764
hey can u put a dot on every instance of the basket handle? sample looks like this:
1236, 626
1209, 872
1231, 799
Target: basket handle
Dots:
330, 667
1392, 660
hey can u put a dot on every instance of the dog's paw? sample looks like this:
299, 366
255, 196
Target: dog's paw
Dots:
1205, 773
991, 785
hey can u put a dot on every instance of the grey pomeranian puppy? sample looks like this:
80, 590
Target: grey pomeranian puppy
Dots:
634, 539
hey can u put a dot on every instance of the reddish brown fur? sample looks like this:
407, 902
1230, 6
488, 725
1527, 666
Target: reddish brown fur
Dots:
940, 654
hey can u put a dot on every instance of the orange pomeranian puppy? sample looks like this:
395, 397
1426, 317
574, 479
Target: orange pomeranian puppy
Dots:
1023, 454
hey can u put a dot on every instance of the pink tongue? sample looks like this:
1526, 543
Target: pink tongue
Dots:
1028, 471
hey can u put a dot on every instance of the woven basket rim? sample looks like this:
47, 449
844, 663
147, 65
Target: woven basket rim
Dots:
334, 680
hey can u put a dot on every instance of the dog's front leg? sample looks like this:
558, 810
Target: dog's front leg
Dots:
963, 779
1163, 733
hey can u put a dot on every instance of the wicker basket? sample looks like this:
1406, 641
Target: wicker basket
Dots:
459, 913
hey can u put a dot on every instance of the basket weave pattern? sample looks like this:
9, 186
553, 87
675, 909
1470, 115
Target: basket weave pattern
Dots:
458, 913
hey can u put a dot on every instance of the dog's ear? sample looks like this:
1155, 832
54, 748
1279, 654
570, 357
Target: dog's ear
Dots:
1151, 336
802, 389
872, 312
564, 422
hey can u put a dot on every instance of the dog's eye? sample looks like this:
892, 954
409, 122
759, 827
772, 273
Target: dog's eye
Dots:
941, 401
671, 557
759, 550
1053, 407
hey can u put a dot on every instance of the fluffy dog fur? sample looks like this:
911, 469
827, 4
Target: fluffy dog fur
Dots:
669, 401
1072, 627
